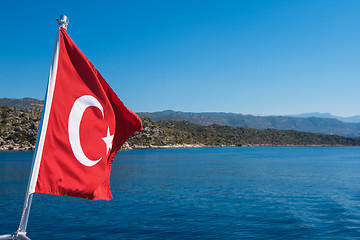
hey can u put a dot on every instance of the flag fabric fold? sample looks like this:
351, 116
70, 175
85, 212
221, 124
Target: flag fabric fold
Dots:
86, 127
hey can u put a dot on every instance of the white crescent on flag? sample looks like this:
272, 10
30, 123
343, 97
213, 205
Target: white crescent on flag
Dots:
76, 114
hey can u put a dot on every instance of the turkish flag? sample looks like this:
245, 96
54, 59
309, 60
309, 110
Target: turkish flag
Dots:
87, 124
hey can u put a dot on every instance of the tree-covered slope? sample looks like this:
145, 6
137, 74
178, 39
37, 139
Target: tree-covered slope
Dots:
170, 132
18, 131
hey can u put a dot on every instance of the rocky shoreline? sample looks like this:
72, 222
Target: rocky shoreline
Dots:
17, 148
18, 128
126, 146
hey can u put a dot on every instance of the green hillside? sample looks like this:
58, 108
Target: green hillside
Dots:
170, 132
18, 131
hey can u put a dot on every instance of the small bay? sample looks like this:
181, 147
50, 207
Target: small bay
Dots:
200, 193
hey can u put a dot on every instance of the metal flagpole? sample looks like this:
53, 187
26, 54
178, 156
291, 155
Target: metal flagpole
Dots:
21, 232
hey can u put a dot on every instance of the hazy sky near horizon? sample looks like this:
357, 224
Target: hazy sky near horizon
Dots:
264, 57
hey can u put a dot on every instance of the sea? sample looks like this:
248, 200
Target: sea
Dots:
200, 193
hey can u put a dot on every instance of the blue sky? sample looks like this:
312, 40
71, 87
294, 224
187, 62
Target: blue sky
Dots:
262, 57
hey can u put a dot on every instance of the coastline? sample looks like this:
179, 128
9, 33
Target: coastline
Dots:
127, 147
17, 148
19, 129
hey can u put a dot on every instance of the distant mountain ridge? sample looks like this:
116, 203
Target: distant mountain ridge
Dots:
23, 103
352, 119
312, 124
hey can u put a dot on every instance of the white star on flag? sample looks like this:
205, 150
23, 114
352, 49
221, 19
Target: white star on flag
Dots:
108, 140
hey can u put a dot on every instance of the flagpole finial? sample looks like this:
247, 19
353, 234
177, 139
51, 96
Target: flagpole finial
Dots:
63, 21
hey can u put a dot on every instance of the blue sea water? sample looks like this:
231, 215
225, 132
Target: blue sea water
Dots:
200, 193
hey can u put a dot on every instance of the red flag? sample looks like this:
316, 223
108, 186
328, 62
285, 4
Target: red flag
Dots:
87, 124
